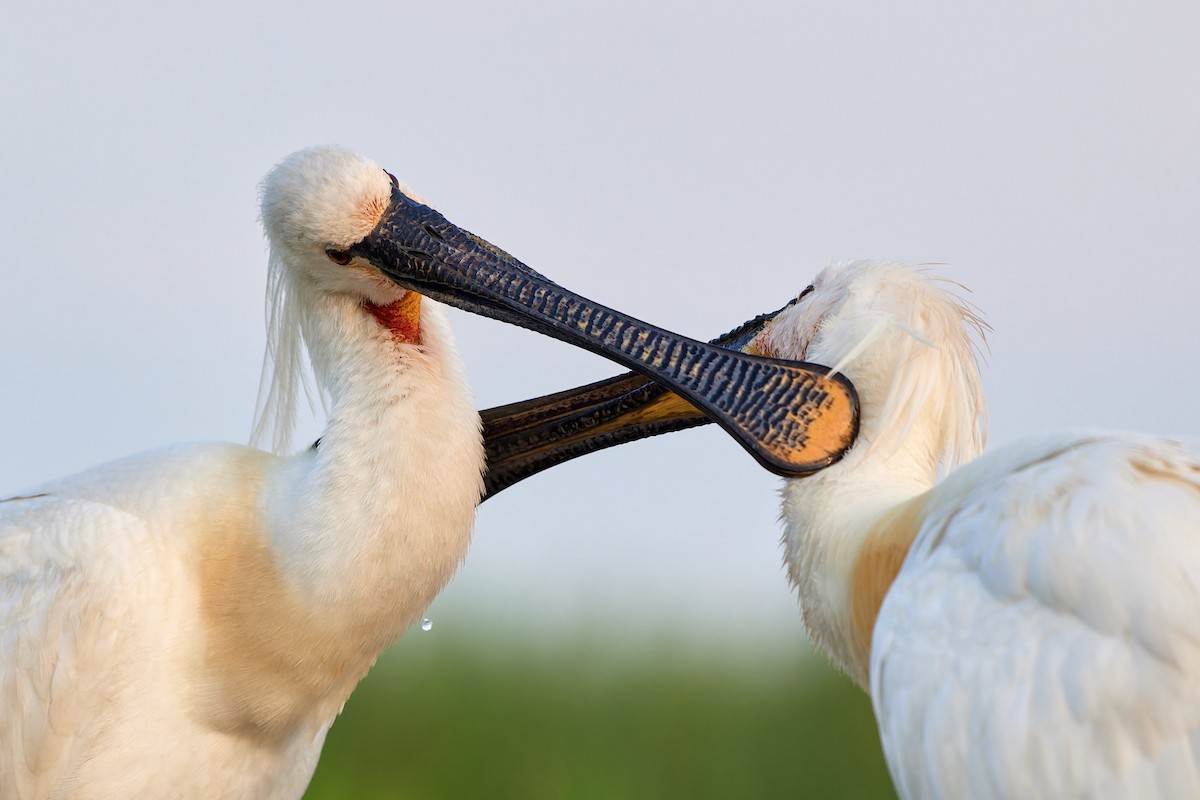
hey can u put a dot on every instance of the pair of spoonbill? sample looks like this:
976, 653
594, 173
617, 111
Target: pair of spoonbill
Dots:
189, 622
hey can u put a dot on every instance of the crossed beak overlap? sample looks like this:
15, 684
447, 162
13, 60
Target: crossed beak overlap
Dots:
793, 417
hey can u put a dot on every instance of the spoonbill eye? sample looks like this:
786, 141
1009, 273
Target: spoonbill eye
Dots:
392, 178
340, 257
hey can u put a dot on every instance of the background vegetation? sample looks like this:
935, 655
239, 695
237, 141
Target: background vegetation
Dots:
505, 717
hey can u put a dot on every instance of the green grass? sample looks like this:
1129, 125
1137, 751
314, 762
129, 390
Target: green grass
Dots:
492, 718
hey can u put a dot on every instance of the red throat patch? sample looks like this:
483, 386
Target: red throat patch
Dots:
402, 318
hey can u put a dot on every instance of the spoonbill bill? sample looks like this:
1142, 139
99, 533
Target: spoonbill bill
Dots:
1025, 621
188, 622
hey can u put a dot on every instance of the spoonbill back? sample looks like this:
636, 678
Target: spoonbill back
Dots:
1025, 621
188, 622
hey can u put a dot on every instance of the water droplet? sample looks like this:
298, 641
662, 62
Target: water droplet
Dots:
426, 624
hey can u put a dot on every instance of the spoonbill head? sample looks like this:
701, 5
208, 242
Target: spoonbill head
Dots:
320, 200
908, 345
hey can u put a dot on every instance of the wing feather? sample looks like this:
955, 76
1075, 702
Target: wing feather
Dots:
1043, 636
64, 586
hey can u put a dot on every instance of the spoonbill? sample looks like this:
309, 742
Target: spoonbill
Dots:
188, 622
1024, 621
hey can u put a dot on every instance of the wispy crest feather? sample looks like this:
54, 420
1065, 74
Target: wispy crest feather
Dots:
286, 371
936, 371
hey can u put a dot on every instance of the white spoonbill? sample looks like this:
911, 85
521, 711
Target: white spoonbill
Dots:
188, 622
1027, 626
1026, 622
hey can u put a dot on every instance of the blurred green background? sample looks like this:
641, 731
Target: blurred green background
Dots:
508, 716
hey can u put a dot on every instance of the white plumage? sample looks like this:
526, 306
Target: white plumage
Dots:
1029, 626
188, 622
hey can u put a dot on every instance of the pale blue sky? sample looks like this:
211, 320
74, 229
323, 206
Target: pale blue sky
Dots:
692, 164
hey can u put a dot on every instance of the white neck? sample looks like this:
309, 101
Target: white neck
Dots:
376, 520
361, 533
847, 531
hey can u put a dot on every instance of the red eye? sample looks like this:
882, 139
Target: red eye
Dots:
338, 256
392, 178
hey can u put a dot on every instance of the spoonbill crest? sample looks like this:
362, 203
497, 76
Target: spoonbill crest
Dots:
188, 622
